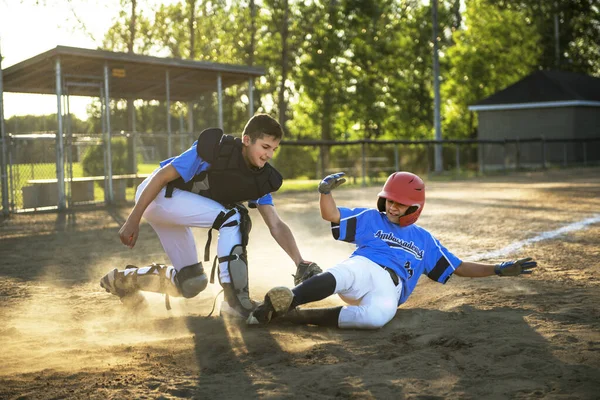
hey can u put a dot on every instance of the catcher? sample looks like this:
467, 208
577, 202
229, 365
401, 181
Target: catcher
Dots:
205, 187
392, 254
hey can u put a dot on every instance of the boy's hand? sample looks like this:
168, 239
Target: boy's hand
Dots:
330, 182
514, 268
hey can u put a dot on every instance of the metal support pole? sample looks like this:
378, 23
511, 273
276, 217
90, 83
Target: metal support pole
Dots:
69, 147
220, 99
60, 166
250, 97
584, 153
133, 148
168, 106
108, 193
565, 154
364, 164
4, 154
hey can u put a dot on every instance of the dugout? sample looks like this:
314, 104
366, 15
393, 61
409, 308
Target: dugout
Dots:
555, 109
70, 71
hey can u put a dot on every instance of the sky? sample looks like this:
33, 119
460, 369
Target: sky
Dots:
27, 29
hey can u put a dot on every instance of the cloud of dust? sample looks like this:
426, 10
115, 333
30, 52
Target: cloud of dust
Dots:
66, 325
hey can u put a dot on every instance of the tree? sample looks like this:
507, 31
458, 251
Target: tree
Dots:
578, 32
497, 48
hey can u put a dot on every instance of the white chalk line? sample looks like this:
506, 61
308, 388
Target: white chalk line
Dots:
513, 247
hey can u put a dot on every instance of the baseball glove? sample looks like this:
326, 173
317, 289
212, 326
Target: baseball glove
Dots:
514, 268
330, 182
306, 270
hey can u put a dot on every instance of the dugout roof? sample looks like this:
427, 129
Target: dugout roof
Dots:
131, 75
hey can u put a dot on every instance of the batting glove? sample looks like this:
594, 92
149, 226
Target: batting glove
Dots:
514, 268
330, 182
306, 270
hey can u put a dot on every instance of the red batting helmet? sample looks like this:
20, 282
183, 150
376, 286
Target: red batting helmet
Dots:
404, 188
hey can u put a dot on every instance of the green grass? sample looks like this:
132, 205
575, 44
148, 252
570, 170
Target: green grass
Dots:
25, 172
22, 173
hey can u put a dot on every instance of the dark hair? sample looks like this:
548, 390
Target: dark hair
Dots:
262, 124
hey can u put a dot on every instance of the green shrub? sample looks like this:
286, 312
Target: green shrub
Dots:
296, 161
93, 161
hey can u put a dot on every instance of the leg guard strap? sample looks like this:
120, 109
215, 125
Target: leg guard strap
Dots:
218, 224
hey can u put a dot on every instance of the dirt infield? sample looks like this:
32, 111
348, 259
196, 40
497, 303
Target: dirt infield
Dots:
500, 338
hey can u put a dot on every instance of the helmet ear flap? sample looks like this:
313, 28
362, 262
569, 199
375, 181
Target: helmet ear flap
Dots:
411, 210
381, 204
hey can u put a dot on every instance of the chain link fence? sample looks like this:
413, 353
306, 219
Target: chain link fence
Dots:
32, 168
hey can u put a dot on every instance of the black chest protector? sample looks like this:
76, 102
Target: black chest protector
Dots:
228, 180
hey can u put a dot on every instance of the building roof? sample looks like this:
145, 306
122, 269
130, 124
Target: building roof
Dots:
131, 75
545, 89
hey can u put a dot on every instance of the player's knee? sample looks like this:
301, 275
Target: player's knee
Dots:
367, 317
191, 280
378, 317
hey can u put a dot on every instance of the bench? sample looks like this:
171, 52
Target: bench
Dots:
44, 192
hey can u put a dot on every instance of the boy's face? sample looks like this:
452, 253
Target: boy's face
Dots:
394, 210
261, 151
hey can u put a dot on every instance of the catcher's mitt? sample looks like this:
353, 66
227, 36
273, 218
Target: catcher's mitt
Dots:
305, 270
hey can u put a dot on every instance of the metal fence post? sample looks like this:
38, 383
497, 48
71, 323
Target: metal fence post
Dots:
480, 155
505, 158
427, 151
543, 143
565, 154
396, 158
584, 153
518, 155
457, 158
364, 164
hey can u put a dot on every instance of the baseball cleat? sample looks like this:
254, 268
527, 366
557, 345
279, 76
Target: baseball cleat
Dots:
108, 283
277, 303
235, 312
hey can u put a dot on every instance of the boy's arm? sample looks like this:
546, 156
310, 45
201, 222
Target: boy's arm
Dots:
474, 270
508, 268
329, 210
130, 230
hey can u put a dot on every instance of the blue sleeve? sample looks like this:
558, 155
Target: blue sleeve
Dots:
442, 264
348, 228
266, 200
188, 164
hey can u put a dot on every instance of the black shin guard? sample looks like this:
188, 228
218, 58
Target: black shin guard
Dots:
314, 316
316, 288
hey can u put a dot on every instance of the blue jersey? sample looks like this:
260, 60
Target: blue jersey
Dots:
410, 251
188, 164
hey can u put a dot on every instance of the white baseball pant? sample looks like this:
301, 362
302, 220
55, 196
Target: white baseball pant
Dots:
172, 219
369, 291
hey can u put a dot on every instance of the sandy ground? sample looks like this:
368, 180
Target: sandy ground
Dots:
495, 338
